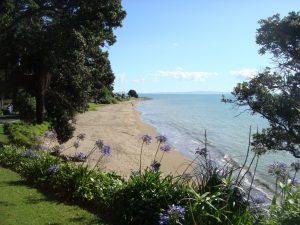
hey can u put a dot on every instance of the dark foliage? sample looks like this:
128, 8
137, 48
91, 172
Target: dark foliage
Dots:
133, 94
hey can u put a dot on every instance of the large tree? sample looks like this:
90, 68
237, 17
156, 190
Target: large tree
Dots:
51, 48
275, 93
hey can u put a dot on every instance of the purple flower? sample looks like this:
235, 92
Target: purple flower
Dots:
81, 156
296, 165
106, 150
201, 152
176, 209
260, 149
175, 213
260, 199
163, 219
147, 139
278, 169
53, 168
50, 134
165, 148
161, 138
155, 166
29, 154
81, 136
99, 143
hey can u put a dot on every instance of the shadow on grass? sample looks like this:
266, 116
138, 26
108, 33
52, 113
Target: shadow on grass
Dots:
6, 203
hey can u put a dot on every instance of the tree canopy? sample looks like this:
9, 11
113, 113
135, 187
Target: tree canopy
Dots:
275, 93
53, 49
133, 94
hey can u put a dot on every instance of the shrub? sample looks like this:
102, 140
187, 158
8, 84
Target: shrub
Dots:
133, 94
24, 134
140, 200
10, 156
105, 96
63, 128
25, 104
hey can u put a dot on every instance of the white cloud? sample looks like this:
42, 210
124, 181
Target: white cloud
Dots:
140, 80
244, 73
179, 73
175, 44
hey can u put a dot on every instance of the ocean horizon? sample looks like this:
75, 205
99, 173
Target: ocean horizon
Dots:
184, 118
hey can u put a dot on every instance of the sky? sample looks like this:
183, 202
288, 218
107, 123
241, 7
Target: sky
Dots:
190, 45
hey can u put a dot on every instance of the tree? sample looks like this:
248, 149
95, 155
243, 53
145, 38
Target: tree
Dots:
133, 94
275, 95
51, 49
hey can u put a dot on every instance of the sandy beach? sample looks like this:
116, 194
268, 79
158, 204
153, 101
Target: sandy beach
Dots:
120, 127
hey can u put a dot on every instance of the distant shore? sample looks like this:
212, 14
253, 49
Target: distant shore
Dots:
120, 126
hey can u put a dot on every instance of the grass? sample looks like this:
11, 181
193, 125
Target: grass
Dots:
24, 205
3, 137
94, 106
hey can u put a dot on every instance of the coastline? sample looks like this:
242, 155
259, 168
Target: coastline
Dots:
121, 127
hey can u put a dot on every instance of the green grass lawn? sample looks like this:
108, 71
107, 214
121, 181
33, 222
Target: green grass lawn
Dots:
22, 205
93, 106
3, 137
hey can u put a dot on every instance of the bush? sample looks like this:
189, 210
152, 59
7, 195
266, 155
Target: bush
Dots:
25, 104
143, 197
105, 96
64, 129
24, 134
133, 94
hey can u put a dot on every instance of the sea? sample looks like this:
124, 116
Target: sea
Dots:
184, 118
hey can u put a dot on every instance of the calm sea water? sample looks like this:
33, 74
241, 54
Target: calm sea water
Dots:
183, 118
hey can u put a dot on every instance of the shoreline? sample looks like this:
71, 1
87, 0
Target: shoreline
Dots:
121, 127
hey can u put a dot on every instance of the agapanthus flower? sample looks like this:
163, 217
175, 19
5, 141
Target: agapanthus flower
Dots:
147, 139
155, 166
163, 219
278, 169
260, 149
81, 136
99, 143
106, 150
296, 165
176, 209
260, 199
50, 135
53, 168
161, 138
81, 156
29, 153
201, 152
175, 213
165, 148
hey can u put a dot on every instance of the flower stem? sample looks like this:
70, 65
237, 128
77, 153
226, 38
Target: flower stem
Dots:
252, 178
141, 158
156, 151
246, 159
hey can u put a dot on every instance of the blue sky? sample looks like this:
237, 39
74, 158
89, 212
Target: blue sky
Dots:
191, 45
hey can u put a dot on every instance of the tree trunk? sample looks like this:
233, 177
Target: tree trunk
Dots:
1, 102
42, 83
